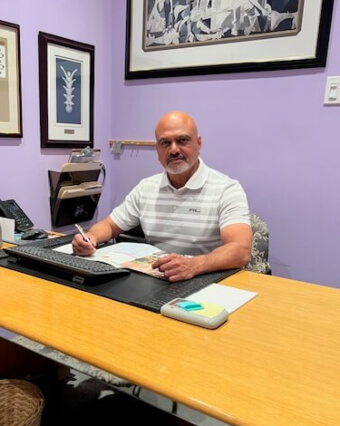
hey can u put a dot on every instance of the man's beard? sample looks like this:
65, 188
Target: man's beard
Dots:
176, 169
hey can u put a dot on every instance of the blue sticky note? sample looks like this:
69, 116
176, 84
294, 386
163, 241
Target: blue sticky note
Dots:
189, 305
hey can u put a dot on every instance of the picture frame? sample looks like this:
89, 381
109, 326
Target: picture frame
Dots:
66, 81
189, 37
10, 81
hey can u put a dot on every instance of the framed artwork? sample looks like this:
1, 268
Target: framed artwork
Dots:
66, 78
10, 81
167, 38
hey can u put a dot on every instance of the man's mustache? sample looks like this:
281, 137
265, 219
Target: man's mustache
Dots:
175, 157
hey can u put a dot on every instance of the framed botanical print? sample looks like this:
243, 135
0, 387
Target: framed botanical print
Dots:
66, 72
10, 81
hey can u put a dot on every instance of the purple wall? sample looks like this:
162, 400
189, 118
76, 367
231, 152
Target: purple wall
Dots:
24, 165
270, 130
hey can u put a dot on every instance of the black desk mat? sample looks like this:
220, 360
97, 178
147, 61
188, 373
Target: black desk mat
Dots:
129, 288
118, 288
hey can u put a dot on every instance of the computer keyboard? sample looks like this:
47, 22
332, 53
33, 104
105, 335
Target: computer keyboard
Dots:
51, 242
81, 268
153, 302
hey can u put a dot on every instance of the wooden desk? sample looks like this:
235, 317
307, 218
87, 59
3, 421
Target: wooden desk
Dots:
275, 362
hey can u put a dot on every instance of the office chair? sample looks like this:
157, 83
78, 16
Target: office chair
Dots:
134, 235
260, 250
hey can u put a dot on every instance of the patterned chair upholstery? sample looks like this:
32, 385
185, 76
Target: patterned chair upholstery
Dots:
260, 250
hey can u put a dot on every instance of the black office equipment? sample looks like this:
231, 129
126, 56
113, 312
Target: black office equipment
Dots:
12, 210
52, 242
34, 234
22, 223
81, 268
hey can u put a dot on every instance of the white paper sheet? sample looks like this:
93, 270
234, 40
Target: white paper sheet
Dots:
7, 229
229, 297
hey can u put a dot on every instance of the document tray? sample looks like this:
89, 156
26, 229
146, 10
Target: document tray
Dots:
79, 267
71, 205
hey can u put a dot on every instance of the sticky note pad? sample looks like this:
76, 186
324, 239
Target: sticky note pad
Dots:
190, 305
204, 314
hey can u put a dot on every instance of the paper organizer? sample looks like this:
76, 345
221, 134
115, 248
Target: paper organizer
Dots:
74, 193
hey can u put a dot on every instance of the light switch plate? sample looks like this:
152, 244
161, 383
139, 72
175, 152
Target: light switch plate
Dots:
332, 92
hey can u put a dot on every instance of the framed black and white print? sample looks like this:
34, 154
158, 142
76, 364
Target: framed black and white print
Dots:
66, 77
166, 38
10, 81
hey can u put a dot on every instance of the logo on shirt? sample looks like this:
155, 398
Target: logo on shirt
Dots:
194, 211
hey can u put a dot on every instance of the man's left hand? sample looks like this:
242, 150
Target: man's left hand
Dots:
175, 267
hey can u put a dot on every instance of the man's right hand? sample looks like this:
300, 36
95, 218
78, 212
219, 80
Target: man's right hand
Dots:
82, 247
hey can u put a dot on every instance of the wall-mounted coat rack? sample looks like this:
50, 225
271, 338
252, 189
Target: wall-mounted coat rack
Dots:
117, 145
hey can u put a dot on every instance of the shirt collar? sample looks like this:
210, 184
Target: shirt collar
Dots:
196, 181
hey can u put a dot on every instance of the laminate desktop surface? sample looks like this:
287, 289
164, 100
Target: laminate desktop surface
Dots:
275, 362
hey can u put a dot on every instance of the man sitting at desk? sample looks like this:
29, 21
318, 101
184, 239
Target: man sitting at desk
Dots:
189, 209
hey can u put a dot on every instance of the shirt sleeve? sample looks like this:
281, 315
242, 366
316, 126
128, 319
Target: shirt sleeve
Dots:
127, 214
234, 206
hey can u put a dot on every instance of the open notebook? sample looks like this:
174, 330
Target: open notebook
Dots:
136, 256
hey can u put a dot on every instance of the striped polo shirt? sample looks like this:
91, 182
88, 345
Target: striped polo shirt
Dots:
186, 220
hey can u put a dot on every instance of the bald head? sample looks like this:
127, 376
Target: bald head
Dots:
175, 120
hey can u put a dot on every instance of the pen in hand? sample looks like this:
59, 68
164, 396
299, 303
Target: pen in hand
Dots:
82, 233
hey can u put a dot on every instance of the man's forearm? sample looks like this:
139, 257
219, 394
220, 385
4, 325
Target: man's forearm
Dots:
103, 231
228, 256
